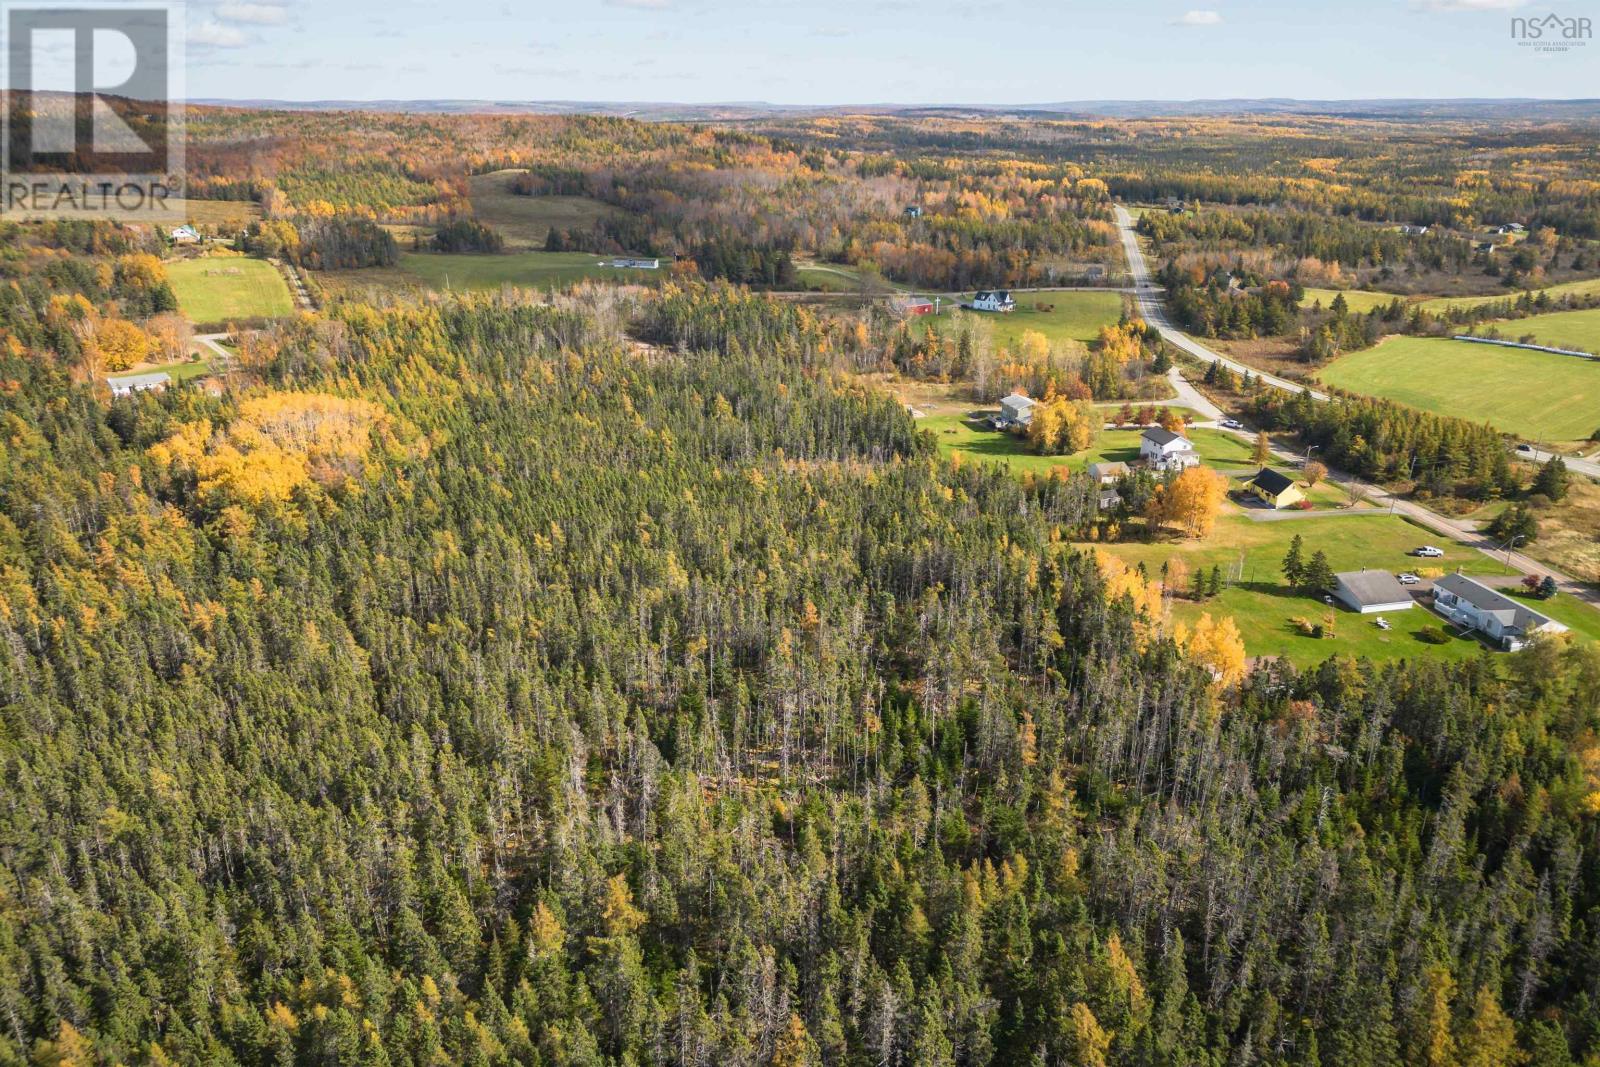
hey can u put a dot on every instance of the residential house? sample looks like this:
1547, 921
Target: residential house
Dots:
1167, 451
154, 382
916, 305
1094, 272
1110, 500
185, 235
1108, 473
1275, 489
1371, 592
1016, 410
914, 212
1486, 247
631, 263
1414, 231
1502, 621
993, 300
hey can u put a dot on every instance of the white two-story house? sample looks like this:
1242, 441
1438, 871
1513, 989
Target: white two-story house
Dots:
1164, 450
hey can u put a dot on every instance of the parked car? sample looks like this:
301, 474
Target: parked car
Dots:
1232, 424
1428, 552
1408, 579
1524, 448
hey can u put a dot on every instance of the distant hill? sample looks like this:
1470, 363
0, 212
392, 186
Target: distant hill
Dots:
735, 110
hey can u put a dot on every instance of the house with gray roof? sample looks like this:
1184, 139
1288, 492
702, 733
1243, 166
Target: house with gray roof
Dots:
129, 384
1107, 472
1167, 451
1016, 410
1502, 621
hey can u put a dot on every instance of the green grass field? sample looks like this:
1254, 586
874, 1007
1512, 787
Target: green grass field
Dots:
434, 270
1361, 301
219, 290
179, 372
1585, 287
976, 443
1077, 317
525, 221
1563, 329
1261, 605
1534, 395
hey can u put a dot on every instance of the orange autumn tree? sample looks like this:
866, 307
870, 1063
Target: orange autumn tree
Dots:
279, 443
1215, 645
120, 344
1191, 501
1061, 426
1125, 581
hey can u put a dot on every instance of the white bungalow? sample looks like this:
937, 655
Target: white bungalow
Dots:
139, 383
1501, 620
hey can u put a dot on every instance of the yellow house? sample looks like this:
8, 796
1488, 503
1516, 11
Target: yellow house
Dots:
1274, 489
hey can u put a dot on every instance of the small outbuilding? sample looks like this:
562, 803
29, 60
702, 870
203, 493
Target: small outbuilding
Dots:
1371, 592
1108, 473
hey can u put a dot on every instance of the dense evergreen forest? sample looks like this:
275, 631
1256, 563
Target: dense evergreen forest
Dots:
614, 681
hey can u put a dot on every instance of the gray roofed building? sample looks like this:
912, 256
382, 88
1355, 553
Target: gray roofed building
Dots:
1107, 472
1165, 450
1371, 592
1501, 620
1017, 410
139, 383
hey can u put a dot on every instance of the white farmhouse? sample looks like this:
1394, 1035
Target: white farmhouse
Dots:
994, 300
1167, 451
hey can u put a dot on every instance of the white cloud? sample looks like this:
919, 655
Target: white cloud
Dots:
256, 14
1469, 5
215, 35
1200, 18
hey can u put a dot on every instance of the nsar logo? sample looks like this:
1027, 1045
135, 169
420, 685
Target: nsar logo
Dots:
1552, 33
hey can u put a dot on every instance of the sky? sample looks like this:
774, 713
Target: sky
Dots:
878, 51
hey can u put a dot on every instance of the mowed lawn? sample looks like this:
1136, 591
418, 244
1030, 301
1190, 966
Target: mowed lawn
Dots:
1250, 555
1074, 317
975, 442
219, 290
1533, 395
1360, 301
